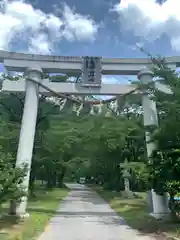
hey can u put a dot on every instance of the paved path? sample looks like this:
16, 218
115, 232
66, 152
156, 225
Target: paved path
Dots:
83, 215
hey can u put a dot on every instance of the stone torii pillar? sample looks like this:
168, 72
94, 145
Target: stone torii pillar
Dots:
27, 132
160, 203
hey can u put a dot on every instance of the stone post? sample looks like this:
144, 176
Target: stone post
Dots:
27, 132
126, 184
127, 192
159, 208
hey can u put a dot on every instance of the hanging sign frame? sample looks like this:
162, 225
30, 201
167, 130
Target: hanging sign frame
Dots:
91, 71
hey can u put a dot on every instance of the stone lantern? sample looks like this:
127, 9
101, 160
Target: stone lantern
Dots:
127, 192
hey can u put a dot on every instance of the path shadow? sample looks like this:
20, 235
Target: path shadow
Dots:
135, 212
108, 218
139, 219
74, 213
85, 196
78, 189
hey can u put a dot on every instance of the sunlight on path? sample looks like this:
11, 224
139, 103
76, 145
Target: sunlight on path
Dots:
83, 215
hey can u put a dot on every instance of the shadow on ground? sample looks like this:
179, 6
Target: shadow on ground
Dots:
106, 218
7, 222
135, 213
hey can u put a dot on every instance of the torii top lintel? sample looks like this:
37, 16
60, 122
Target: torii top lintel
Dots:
67, 64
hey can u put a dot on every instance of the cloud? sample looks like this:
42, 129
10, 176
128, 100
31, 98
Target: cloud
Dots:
117, 79
40, 31
78, 26
109, 79
149, 20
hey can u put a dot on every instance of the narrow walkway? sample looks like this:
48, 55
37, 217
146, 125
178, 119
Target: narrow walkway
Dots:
83, 215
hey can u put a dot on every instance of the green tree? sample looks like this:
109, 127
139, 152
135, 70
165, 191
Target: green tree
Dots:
10, 177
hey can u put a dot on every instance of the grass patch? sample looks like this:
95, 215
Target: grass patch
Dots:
41, 208
135, 213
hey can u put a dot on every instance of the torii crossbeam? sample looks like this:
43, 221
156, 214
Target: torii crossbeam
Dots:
69, 64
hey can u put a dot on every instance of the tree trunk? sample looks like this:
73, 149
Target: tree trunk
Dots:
32, 184
172, 208
12, 208
61, 177
49, 182
54, 180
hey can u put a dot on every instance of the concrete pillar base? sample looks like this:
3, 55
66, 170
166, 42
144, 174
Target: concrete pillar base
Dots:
161, 216
24, 215
160, 206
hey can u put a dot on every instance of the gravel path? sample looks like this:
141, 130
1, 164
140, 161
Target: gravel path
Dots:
83, 215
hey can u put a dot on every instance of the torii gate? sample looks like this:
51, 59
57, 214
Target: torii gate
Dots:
33, 66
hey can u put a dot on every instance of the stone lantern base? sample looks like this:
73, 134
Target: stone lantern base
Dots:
127, 194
